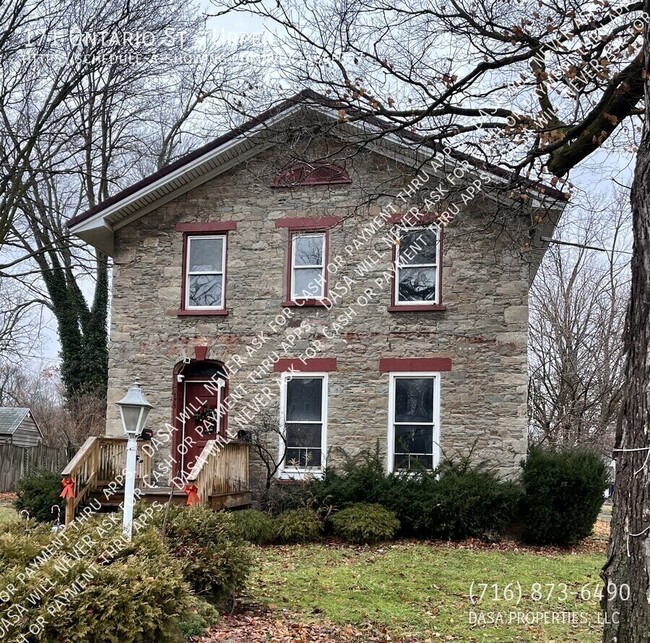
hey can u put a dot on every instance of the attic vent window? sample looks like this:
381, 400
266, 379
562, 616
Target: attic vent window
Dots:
317, 173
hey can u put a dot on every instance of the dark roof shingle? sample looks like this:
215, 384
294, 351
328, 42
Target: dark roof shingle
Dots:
10, 419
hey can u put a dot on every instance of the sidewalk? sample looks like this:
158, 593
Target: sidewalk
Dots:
606, 511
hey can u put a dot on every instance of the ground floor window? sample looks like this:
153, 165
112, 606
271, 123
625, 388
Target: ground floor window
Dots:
413, 427
304, 422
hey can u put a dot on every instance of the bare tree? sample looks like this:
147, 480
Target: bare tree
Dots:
272, 452
20, 323
63, 424
126, 87
577, 315
269, 447
542, 84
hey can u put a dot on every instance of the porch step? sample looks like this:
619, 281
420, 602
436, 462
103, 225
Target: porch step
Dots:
179, 497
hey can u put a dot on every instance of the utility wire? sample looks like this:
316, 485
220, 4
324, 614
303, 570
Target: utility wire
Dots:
580, 245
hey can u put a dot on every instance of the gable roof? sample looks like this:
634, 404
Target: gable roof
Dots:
12, 417
97, 224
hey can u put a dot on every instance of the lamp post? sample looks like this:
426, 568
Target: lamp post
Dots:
134, 410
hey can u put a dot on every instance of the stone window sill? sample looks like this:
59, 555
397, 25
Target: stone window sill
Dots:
305, 303
202, 313
416, 308
294, 476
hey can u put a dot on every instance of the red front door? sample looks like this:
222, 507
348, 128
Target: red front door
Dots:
200, 420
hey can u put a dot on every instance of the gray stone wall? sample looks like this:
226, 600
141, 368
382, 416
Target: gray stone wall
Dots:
483, 330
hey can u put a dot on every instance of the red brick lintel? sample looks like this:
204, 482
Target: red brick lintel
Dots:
415, 220
316, 365
209, 226
414, 364
307, 223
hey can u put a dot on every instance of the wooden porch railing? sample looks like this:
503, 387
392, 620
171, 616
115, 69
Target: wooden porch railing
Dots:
221, 470
99, 462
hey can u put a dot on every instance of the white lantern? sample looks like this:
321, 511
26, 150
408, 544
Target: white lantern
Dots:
134, 410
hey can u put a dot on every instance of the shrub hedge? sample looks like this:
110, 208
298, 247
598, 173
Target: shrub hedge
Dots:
253, 526
412, 497
563, 493
89, 586
37, 492
361, 479
470, 502
198, 618
365, 524
297, 526
212, 556
21, 541
457, 501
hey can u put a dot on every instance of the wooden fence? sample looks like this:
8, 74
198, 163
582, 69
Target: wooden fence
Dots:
17, 462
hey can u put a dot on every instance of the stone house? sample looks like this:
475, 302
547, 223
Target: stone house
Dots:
342, 290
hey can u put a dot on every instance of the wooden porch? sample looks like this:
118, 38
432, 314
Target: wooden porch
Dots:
219, 478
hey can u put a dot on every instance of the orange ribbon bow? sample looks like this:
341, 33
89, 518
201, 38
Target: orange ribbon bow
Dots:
68, 488
192, 494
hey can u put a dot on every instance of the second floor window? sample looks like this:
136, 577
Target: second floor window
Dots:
308, 266
205, 266
416, 267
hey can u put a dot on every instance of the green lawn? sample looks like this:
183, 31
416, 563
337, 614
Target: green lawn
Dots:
421, 591
7, 513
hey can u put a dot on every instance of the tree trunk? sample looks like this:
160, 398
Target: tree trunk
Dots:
627, 617
82, 328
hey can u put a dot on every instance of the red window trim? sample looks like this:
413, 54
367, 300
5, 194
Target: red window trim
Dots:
216, 227
414, 364
311, 224
306, 303
211, 226
316, 365
419, 306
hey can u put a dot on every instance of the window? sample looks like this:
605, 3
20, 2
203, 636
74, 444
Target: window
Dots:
413, 421
304, 414
316, 173
205, 267
308, 239
307, 266
416, 267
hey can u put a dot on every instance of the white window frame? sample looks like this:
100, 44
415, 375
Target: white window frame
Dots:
293, 296
397, 267
285, 471
186, 270
393, 377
